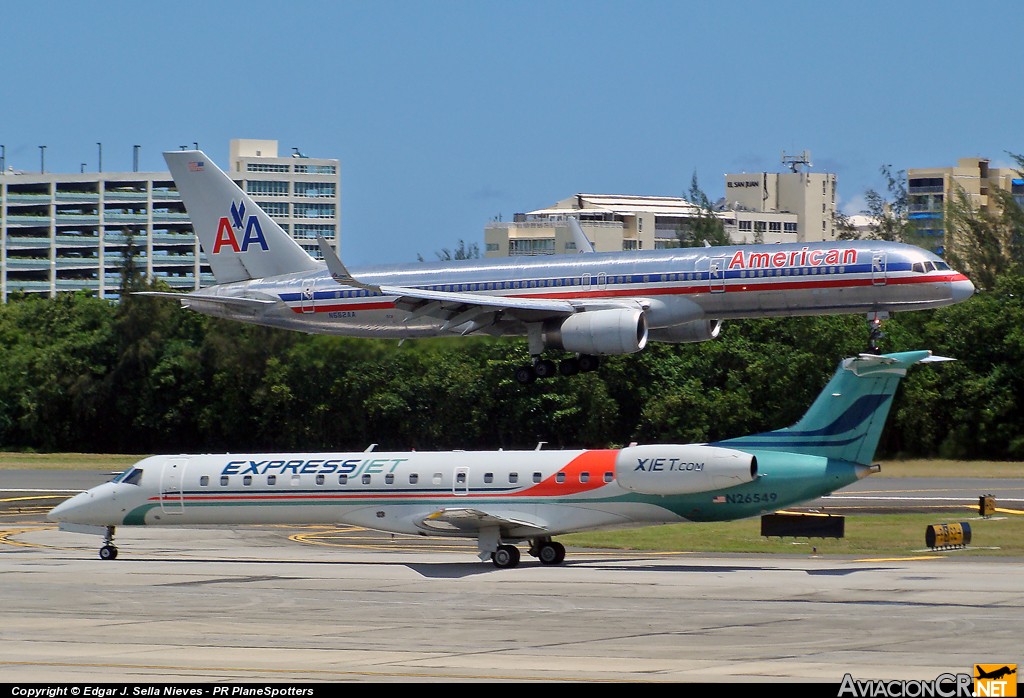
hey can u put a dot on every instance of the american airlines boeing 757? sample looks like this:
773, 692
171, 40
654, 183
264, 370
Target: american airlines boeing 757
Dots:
502, 498
585, 305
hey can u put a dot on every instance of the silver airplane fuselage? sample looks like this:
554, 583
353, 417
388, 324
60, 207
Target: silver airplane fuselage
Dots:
675, 287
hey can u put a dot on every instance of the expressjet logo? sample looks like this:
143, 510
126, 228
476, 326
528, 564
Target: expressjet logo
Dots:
317, 466
657, 465
226, 236
793, 258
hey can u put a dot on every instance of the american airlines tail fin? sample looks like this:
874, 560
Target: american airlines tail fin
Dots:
240, 240
846, 420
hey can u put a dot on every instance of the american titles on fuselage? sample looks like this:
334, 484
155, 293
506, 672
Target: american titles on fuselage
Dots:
743, 259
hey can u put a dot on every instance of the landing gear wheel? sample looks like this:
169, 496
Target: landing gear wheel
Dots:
569, 367
875, 332
505, 556
589, 363
108, 552
544, 369
551, 553
525, 375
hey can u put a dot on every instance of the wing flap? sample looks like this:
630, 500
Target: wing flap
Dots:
466, 520
412, 297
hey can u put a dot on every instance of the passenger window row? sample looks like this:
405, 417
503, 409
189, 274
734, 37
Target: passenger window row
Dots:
389, 479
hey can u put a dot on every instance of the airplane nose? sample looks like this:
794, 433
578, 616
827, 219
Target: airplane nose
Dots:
961, 290
65, 511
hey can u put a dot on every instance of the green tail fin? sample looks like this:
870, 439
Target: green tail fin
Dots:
846, 420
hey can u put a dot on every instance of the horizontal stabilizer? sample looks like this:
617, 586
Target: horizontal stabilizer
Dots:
847, 418
189, 299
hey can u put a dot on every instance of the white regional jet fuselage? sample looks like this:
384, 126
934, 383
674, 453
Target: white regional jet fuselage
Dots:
589, 304
505, 497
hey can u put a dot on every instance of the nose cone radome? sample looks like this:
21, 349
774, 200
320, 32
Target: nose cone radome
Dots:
70, 510
961, 290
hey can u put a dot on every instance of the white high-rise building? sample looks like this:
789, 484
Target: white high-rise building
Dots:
70, 232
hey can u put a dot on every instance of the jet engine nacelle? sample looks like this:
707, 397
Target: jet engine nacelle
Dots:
600, 332
685, 469
696, 331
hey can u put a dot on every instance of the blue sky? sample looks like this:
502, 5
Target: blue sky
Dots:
448, 114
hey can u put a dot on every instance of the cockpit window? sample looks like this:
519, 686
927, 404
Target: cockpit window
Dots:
132, 476
919, 267
942, 266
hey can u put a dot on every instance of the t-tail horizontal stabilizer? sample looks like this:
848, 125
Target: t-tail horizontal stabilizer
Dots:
846, 420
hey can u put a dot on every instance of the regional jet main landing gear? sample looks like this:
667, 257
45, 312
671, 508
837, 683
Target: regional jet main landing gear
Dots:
549, 552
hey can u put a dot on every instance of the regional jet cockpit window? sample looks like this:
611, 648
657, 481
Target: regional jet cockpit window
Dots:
132, 476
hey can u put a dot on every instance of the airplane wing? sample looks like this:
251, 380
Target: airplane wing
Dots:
472, 310
472, 520
475, 311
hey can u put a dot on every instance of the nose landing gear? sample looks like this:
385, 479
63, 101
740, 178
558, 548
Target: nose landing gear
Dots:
109, 550
875, 333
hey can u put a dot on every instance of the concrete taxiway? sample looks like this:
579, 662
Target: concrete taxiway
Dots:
322, 604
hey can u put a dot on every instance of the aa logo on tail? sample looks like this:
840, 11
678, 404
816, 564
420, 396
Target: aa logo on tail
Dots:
226, 231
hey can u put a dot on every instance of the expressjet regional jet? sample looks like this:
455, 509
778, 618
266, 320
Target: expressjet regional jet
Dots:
502, 498
587, 305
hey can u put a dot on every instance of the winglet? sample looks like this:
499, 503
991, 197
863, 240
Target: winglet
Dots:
338, 271
583, 243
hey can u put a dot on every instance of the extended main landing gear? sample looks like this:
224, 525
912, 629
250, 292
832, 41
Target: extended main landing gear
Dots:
549, 552
545, 368
109, 550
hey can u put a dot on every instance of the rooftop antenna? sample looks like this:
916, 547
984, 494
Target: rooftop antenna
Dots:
795, 161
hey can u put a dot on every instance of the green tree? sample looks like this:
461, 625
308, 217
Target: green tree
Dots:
889, 213
463, 251
705, 225
844, 227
